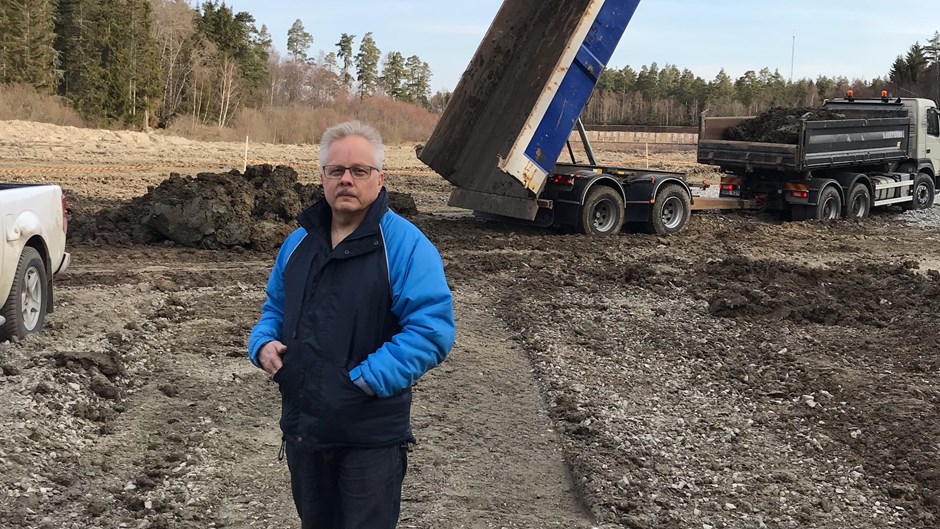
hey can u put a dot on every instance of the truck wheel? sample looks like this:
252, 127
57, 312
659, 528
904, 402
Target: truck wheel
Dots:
923, 192
602, 213
858, 206
671, 210
829, 206
25, 307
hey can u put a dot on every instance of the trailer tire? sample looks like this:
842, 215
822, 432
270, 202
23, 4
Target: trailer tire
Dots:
25, 308
602, 212
671, 210
924, 192
829, 206
858, 206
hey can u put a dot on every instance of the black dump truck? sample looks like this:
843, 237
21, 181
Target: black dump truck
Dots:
877, 152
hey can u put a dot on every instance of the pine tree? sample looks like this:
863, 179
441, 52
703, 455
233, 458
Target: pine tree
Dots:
345, 53
721, 89
27, 52
418, 81
79, 35
367, 66
917, 62
110, 60
235, 36
330, 62
298, 41
393, 75
933, 54
264, 38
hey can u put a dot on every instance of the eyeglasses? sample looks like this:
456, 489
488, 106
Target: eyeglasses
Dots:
359, 172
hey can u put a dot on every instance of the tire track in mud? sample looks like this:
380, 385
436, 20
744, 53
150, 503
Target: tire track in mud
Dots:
487, 455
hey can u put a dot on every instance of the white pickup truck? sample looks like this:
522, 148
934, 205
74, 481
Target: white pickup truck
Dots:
34, 219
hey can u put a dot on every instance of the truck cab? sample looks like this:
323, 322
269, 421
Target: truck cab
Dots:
925, 147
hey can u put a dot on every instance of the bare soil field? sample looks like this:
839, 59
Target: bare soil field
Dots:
746, 373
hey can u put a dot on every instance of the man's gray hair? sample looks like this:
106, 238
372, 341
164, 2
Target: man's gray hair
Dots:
353, 128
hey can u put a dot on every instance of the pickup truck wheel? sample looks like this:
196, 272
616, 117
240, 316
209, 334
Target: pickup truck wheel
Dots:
25, 307
923, 192
858, 206
671, 210
829, 206
602, 213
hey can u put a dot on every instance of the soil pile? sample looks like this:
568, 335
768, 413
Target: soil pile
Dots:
255, 210
778, 125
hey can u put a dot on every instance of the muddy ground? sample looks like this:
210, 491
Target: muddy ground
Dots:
746, 373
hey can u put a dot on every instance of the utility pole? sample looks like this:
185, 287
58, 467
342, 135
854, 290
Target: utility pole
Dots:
792, 55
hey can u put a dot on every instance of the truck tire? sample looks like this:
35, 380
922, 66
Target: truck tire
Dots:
671, 210
923, 192
25, 307
829, 206
602, 213
858, 206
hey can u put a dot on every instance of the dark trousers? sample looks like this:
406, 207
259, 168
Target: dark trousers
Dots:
348, 488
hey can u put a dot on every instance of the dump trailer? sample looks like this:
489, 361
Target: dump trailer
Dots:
885, 151
512, 113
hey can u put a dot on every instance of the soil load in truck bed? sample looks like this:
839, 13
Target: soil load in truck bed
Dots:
778, 125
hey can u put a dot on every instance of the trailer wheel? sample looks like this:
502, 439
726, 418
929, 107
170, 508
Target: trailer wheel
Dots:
923, 192
829, 206
858, 206
671, 210
602, 213
25, 307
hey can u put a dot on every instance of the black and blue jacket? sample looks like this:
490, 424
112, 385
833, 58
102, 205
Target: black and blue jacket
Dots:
376, 306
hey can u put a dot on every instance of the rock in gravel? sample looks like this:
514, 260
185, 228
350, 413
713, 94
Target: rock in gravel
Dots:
108, 363
103, 387
10, 370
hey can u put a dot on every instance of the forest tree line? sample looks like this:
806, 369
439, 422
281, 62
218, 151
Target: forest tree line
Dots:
133, 62
154, 62
665, 95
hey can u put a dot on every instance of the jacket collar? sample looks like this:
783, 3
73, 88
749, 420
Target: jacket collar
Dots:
318, 218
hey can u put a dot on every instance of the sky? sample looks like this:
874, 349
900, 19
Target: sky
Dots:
857, 39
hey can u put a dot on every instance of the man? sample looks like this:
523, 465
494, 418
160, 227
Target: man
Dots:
358, 308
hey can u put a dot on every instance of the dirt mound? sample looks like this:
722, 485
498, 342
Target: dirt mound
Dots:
778, 125
255, 210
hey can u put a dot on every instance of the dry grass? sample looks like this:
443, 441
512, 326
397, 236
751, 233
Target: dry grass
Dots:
23, 102
398, 122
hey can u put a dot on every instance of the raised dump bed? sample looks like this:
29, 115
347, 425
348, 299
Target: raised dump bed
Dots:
519, 99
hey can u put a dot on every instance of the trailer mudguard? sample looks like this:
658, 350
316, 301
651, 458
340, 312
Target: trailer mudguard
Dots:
816, 185
641, 193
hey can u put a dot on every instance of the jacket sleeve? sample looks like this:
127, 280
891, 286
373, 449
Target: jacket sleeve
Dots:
422, 302
269, 325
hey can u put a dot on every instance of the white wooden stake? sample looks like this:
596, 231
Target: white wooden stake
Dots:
245, 165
